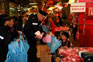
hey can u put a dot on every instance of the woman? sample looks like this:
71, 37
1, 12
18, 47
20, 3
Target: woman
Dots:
50, 24
65, 40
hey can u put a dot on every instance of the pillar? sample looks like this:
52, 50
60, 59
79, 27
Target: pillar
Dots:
6, 7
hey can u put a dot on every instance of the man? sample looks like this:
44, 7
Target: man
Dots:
21, 22
31, 27
5, 38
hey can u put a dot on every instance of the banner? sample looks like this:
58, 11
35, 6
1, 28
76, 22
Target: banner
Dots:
78, 7
85, 0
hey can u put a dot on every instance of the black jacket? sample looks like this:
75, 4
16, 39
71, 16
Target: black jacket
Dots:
59, 23
32, 25
19, 24
66, 43
5, 38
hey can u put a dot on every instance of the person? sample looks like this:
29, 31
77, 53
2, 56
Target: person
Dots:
7, 34
5, 38
31, 27
74, 30
65, 40
12, 29
58, 21
21, 23
50, 24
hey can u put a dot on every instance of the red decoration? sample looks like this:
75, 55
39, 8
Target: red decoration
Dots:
66, 5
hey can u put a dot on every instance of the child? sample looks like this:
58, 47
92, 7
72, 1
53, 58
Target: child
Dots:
65, 40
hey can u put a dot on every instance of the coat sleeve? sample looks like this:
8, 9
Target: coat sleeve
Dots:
53, 27
27, 29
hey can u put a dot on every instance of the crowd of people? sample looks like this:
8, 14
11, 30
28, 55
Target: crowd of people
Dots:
10, 28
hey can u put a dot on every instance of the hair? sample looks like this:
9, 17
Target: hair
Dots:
66, 34
49, 16
4, 19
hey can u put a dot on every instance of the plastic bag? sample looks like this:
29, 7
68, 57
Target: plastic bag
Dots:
54, 45
47, 39
45, 29
17, 51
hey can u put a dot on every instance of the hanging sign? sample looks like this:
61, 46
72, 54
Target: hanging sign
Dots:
78, 7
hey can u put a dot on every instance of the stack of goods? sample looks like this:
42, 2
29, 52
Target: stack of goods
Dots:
72, 54
61, 28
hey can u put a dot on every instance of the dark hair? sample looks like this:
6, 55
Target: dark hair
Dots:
4, 19
66, 34
11, 18
15, 18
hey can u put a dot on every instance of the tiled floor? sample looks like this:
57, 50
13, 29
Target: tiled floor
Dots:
43, 53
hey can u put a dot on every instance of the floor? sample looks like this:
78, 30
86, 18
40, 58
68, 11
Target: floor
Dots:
43, 52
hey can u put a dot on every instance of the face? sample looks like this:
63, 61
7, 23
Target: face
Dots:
57, 19
74, 26
50, 19
40, 17
11, 23
6, 23
63, 37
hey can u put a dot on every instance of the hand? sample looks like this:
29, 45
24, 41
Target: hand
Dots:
20, 32
38, 36
65, 47
53, 35
18, 40
47, 27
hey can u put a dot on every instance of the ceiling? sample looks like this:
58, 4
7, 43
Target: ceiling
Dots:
24, 3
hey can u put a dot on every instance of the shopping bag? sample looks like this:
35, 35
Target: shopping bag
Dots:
47, 39
45, 29
22, 57
54, 45
25, 43
17, 51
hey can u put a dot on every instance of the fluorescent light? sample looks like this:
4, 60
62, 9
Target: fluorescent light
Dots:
71, 1
33, 3
51, 8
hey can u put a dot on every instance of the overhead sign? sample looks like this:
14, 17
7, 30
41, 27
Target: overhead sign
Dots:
78, 7
85, 0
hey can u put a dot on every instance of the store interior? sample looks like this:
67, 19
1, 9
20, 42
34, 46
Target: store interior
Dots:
71, 12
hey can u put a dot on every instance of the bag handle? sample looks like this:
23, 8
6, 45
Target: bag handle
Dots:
24, 37
21, 42
7, 55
